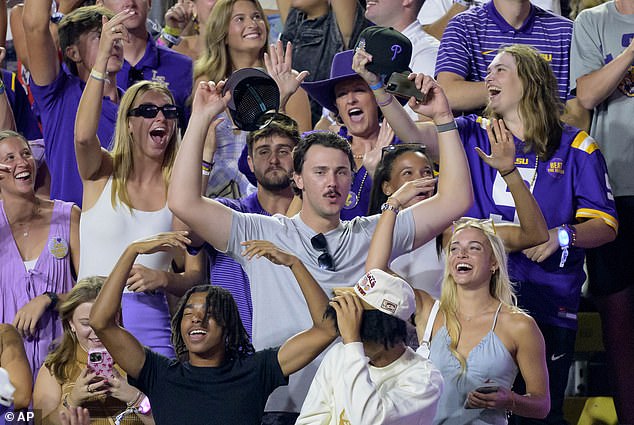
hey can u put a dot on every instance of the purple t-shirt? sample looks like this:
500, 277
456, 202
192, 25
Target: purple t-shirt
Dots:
226, 272
162, 65
25, 119
58, 103
572, 185
472, 39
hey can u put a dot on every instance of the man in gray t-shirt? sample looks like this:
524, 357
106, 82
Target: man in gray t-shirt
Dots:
602, 72
332, 250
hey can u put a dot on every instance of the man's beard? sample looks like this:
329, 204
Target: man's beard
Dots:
277, 183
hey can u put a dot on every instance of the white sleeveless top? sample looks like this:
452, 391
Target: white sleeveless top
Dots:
106, 231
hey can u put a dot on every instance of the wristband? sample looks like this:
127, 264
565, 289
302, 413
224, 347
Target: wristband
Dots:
2, 86
389, 207
207, 167
171, 39
446, 127
176, 32
99, 76
54, 299
66, 403
136, 399
508, 172
377, 85
386, 102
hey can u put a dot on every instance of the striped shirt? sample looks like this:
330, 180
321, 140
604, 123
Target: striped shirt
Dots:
472, 39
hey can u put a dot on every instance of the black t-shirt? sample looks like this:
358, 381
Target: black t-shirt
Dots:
234, 393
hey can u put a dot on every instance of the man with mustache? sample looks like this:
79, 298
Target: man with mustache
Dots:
334, 251
270, 159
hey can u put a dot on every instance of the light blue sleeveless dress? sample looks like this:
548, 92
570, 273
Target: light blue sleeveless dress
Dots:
488, 362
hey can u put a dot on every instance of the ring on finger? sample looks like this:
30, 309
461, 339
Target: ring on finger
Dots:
90, 390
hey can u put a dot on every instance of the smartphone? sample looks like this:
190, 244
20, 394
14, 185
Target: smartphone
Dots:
400, 85
100, 361
488, 389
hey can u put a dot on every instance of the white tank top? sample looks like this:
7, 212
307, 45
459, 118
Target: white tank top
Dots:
106, 231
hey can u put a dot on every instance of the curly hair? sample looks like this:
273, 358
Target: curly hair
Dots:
221, 307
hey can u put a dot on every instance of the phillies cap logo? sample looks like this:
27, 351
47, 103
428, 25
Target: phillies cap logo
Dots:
396, 49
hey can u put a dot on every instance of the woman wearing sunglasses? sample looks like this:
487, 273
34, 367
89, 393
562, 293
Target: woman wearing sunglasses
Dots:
475, 334
125, 199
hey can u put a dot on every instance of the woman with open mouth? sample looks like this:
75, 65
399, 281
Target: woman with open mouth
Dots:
40, 254
125, 198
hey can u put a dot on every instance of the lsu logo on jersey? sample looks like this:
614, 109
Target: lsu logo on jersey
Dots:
159, 78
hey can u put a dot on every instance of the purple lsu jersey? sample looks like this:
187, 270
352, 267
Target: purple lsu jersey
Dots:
572, 186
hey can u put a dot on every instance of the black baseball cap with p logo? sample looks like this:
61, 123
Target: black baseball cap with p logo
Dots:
391, 51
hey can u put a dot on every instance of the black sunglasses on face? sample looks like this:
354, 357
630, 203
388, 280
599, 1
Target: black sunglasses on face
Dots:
325, 260
147, 110
392, 149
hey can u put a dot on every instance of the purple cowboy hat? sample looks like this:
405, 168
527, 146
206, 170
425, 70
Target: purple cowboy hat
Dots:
323, 92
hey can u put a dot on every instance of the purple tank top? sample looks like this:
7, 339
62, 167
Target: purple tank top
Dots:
51, 273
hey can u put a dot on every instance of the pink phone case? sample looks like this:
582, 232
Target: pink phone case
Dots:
100, 362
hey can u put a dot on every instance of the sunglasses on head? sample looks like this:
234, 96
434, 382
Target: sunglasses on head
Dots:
393, 149
147, 110
483, 224
325, 260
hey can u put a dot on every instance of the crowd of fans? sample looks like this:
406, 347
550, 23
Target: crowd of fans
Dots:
382, 215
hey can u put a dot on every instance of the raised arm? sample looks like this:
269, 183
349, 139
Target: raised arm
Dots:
301, 349
455, 193
175, 282
293, 100
532, 229
43, 60
380, 247
437, 28
207, 218
345, 12
92, 161
126, 351
284, 7
7, 120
